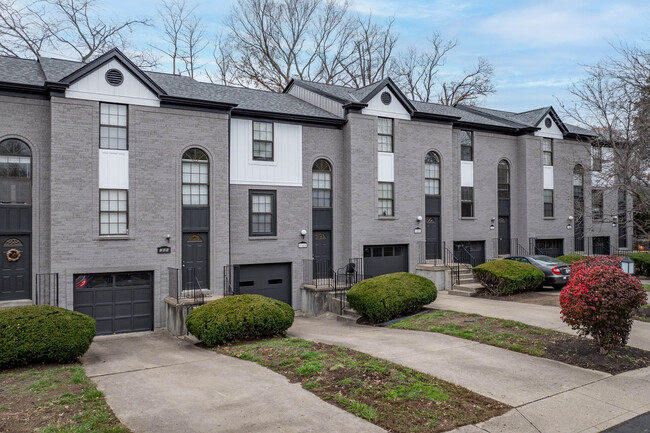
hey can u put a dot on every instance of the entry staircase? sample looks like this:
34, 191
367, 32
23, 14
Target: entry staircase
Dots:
463, 281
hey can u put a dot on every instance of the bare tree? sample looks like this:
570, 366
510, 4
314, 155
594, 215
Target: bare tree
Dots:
173, 14
193, 43
417, 72
472, 86
225, 71
22, 33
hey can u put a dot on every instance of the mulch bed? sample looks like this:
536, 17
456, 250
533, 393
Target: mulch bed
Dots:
552, 299
584, 353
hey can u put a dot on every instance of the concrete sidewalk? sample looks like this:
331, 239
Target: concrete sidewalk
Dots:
531, 314
547, 396
157, 383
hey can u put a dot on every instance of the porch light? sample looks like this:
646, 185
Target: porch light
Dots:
492, 224
628, 265
614, 220
303, 233
569, 227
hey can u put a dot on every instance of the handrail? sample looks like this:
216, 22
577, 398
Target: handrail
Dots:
472, 261
454, 265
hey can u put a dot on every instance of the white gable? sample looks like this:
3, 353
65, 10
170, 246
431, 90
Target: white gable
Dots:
393, 110
549, 132
94, 87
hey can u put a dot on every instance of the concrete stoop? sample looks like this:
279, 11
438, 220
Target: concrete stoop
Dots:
349, 316
467, 284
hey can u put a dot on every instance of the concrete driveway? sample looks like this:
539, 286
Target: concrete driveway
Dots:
157, 383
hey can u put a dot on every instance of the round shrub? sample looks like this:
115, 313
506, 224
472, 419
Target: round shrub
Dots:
389, 296
40, 333
503, 277
571, 258
600, 302
641, 263
594, 261
241, 317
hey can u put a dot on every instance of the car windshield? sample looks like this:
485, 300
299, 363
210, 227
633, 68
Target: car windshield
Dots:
548, 260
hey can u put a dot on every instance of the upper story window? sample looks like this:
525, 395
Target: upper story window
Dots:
597, 156
262, 213
503, 179
547, 151
113, 212
578, 181
548, 203
467, 201
321, 185
432, 174
113, 126
385, 196
15, 172
195, 177
466, 146
597, 211
263, 141
384, 134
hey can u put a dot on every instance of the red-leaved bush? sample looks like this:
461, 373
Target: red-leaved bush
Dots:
593, 261
599, 302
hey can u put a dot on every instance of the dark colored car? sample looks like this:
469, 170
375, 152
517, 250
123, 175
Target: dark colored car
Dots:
556, 271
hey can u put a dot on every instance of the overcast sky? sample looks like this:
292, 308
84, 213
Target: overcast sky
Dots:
537, 48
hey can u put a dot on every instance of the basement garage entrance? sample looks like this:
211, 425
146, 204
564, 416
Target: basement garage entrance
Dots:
549, 247
385, 259
119, 302
272, 280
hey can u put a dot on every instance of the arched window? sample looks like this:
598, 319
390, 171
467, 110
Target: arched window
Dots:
578, 180
432, 174
195, 178
15, 172
503, 179
321, 192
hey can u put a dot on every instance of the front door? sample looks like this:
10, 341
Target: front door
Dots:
15, 268
433, 245
195, 261
601, 245
504, 235
322, 253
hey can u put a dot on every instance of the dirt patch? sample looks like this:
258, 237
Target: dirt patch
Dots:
55, 398
393, 397
549, 298
519, 337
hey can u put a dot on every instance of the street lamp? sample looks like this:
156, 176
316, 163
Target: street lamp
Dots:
628, 265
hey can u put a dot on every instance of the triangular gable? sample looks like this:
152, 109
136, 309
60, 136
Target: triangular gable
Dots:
387, 100
550, 125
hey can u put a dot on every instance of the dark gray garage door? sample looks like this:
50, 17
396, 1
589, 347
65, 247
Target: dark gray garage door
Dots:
549, 247
271, 280
121, 302
385, 259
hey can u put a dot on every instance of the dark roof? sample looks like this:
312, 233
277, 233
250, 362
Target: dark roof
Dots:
21, 71
57, 69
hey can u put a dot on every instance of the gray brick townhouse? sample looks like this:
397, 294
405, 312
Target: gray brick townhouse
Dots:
112, 177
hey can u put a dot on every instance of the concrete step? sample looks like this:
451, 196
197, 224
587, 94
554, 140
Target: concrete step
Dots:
460, 293
349, 316
468, 289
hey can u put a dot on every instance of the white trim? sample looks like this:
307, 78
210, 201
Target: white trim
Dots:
548, 177
385, 167
467, 173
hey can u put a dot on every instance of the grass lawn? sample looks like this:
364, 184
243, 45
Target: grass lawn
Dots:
646, 287
53, 399
391, 396
519, 337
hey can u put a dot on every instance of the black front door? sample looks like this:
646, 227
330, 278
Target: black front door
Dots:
433, 245
504, 235
15, 268
195, 261
322, 253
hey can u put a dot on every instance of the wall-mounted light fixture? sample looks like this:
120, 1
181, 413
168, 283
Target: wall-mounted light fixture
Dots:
570, 219
614, 221
569, 226
168, 237
492, 224
303, 233
419, 218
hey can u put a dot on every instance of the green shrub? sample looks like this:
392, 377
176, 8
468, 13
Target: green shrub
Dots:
570, 258
502, 277
641, 263
389, 296
241, 317
40, 333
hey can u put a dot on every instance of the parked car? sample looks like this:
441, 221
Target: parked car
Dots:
556, 271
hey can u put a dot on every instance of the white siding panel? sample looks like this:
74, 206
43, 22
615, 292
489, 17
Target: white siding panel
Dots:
467, 173
385, 167
286, 167
113, 169
94, 87
552, 132
548, 177
393, 110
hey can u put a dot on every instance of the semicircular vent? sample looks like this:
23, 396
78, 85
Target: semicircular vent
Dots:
114, 77
386, 98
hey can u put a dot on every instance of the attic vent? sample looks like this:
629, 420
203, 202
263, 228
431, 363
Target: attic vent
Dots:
386, 98
114, 77
547, 122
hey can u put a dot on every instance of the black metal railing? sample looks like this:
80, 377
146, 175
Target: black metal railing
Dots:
430, 252
521, 251
228, 287
346, 277
318, 273
47, 289
463, 255
454, 266
183, 284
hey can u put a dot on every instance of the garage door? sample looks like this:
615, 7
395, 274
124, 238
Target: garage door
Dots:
271, 280
385, 259
121, 302
549, 247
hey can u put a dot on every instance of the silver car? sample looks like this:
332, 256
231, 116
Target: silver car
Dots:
556, 271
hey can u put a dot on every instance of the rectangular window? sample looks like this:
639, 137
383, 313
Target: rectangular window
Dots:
597, 155
597, 204
321, 192
263, 141
432, 178
385, 196
467, 201
547, 151
384, 134
548, 203
113, 212
262, 213
466, 146
195, 183
113, 126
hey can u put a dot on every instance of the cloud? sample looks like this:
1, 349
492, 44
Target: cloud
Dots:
411, 9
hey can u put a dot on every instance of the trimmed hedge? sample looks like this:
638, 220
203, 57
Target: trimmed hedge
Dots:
641, 263
571, 258
40, 334
503, 277
389, 296
241, 317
